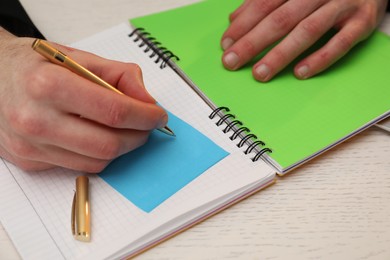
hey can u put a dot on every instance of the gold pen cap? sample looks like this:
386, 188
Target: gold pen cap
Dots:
81, 214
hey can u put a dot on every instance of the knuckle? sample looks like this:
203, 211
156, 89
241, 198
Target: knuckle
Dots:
22, 149
311, 28
261, 7
258, 5
325, 56
109, 148
26, 123
345, 42
249, 47
237, 29
282, 19
278, 56
116, 115
135, 67
41, 86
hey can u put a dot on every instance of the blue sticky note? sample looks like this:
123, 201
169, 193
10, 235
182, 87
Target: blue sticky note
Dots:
152, 173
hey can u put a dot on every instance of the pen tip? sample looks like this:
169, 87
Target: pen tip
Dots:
167, 131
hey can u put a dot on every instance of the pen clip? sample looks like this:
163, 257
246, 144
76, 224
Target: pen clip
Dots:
80, 215
72, 221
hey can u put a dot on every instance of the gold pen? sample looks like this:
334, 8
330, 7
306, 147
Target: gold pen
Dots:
81, 211
56, 56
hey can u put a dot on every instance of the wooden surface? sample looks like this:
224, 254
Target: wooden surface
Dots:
335, 207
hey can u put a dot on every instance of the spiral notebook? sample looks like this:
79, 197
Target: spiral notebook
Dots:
35, 207
291, 120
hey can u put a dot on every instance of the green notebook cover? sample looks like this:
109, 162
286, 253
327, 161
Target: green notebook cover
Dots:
295, 118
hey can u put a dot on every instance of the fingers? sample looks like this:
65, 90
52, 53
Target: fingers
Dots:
93, 140
44, 137
272, 28
58, 157
245, 18
304, 35
24, 164
337, 47
116, 111
299, 23
38, 158
78, 135
71, 142
76, 95
353, 31
239, 10
135, 110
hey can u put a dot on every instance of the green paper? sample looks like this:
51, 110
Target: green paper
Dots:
295, 118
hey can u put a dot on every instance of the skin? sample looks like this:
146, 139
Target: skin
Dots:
297, 25
51, 117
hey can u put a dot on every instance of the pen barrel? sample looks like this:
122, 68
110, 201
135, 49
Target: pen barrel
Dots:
85, 73
56, 56
82, 209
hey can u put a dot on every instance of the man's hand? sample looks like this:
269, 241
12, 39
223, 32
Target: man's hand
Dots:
51, 117
297, 24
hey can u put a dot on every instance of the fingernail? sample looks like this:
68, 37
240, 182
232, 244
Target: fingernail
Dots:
163, 121
226, 43
262, 71
303, 72
231, 60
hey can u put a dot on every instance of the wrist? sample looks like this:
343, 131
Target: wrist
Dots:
4, 34
6, 39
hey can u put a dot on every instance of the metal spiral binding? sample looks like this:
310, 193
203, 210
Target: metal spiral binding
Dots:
224, 118
231, 125
150, 44
245, 139
239, 130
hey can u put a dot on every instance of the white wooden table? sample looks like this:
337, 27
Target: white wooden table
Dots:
335, 207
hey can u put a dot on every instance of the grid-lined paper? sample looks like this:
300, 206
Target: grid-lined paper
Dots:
119, 227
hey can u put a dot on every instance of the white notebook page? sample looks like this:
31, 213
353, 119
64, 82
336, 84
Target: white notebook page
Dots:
44, 198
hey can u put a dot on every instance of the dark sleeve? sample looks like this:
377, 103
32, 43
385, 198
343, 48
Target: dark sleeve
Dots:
14, 19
